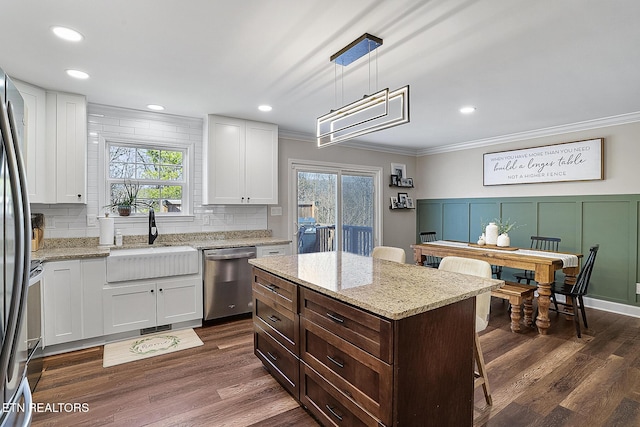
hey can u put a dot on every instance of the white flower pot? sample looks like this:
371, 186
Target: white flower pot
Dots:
491, 234
503, 240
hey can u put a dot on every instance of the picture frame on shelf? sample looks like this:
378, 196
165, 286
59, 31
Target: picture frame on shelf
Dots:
409, 182
394, 180
409, 203
394, 202
399, 169
402, 200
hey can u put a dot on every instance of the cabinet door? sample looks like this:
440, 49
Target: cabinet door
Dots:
224, 154
129, 307
35, 147
71, 148
94, 277
179, 300
261, 163
62, 302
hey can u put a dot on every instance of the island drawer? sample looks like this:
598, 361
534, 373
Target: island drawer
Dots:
367, 331
328, 404
364, 378
280, 291
283, 365
281, 324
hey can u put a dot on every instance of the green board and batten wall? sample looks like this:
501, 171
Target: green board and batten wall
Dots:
580, 221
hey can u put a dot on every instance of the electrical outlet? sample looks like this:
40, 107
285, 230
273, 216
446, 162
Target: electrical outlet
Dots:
276, 210
637, 288
205, 219
92, 221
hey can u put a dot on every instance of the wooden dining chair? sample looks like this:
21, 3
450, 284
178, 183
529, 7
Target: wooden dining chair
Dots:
389, 253
576, 291
538, 243
475, 267
430, 261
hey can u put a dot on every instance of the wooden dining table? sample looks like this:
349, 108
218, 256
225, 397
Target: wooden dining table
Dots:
543, 266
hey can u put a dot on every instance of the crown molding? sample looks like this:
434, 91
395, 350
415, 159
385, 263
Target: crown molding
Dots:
539, 133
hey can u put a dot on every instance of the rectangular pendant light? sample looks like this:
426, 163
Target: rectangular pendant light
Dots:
375, 112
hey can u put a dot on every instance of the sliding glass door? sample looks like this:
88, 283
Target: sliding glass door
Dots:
335, 208
358, 213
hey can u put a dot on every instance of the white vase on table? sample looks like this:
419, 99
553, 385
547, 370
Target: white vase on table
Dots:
491, 234
503, 240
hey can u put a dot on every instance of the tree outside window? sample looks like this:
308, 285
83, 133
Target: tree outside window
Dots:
158, 172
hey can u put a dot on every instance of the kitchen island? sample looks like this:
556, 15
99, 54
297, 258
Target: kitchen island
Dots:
361, 341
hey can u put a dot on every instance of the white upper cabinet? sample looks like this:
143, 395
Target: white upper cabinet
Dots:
67, 126
240, 162
55, 145
35, 146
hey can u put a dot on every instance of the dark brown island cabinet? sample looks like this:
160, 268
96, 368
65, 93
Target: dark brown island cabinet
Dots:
350, 367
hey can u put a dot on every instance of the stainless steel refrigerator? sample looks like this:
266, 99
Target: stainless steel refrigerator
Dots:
15, 257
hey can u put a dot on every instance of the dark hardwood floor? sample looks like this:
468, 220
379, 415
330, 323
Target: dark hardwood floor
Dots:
554, 380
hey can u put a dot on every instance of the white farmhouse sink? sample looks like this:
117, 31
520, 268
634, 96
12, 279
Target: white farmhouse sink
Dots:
150, 262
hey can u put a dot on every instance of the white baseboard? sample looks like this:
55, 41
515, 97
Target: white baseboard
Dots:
613, 307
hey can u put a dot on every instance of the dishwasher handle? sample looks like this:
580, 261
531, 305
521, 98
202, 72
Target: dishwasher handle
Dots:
237, 255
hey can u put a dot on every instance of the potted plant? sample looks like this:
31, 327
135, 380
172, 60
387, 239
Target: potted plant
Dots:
126, 199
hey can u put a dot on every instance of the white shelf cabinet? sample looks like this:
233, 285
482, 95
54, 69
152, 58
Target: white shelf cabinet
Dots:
66, 119
72, 302
140, 304
35, 147
240, 162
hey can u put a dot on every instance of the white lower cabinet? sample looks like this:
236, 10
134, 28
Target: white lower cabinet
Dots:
62, 302
273, 250
72, 300
140, 304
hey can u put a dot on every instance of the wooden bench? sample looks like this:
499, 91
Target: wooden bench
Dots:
517, 294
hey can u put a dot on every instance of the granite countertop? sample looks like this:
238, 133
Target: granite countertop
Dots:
91, 249
389, 289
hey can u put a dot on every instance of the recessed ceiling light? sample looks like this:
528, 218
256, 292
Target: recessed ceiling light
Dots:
77, 74
155, 107
265, 108
67, 34
467, 110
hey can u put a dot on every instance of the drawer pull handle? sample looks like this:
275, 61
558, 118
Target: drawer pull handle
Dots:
272, 288
333, 412
274, 318
335, 318
274, 358
339, 364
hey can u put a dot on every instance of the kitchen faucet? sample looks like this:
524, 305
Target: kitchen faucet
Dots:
153, 229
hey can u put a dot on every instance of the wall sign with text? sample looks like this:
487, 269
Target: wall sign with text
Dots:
570, 161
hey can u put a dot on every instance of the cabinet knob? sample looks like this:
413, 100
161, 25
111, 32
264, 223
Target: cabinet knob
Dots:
160, 289
79, 196
151, 290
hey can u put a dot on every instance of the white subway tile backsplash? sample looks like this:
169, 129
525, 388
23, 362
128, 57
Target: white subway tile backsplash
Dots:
71, 220
118, 129
138, 124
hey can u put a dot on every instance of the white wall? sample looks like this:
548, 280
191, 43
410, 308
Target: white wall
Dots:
398, 226
458, 174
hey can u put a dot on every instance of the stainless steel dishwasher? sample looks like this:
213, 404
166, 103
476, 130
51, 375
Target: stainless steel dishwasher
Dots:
227, 282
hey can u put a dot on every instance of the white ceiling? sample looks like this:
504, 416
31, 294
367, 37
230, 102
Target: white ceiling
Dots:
526, 65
